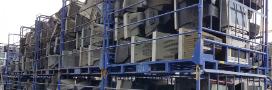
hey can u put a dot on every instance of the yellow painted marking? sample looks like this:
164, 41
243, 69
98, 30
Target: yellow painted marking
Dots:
222, 62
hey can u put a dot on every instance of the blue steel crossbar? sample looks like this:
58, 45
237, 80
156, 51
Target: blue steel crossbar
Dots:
230, 46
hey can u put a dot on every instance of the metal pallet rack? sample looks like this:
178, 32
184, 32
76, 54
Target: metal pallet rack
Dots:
11, 57
200, 67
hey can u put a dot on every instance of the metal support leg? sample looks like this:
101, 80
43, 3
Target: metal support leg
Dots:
198, 78
209, 81
217, 82
105, 54
62, 32
198, 49
266, 43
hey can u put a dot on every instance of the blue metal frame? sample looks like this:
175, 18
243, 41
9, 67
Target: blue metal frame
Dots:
105, 55
6, 71
10, 56
198, 61
62, 32
38, 49
188, 67
267, 67
199, 47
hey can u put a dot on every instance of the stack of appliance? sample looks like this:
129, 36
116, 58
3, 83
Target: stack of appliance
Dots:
125, 33
136, 32
236, 20
70, 53
50, 41
84, 34
26, 50
52, 46
84, 31
188, 22
233, 25
90, 32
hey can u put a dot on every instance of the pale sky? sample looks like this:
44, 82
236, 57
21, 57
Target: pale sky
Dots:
15, 13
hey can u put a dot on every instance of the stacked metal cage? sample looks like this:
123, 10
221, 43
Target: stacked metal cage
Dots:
147, 45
